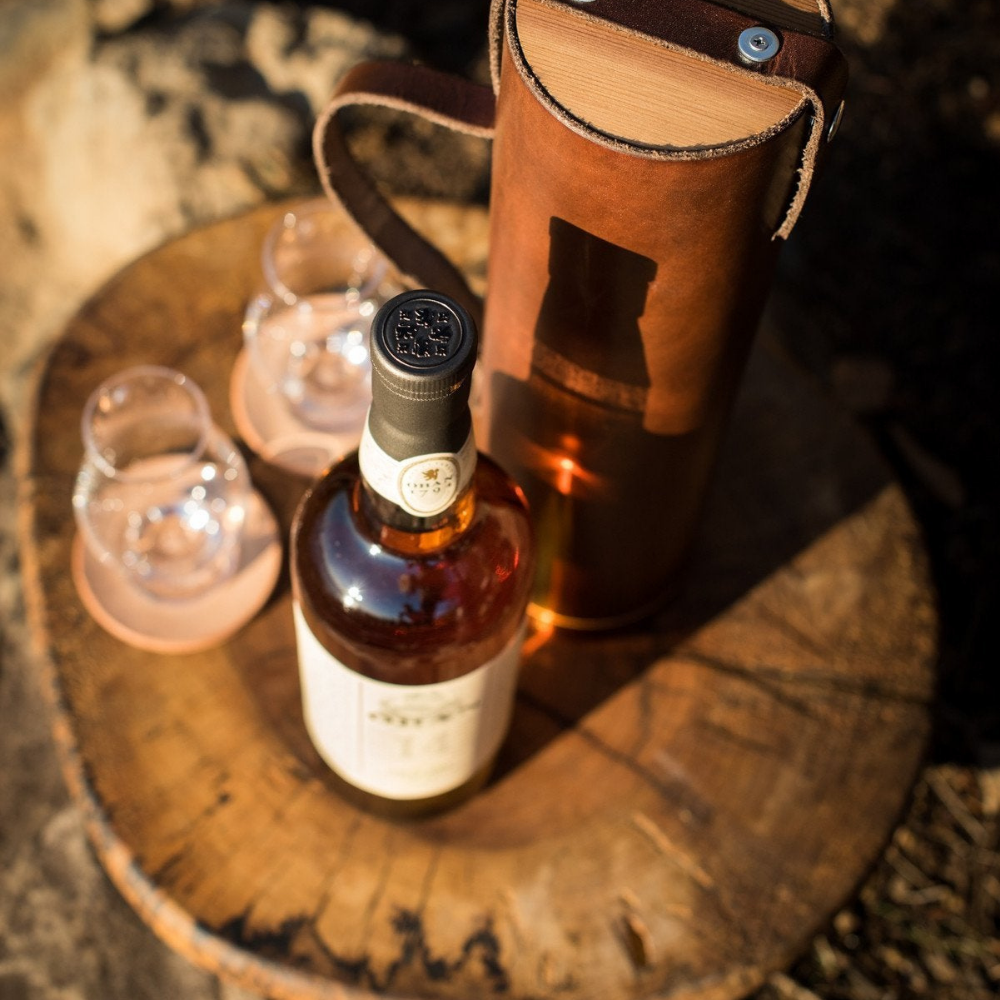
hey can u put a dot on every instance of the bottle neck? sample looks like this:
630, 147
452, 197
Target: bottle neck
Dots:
420, 494
402, 532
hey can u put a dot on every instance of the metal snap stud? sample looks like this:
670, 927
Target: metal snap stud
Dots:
758, 44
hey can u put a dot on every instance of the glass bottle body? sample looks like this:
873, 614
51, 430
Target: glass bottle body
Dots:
414, 622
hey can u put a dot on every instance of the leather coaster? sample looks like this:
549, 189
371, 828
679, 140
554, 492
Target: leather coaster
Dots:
183, 626
270, 430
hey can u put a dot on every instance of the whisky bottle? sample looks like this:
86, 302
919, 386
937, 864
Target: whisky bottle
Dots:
412, 561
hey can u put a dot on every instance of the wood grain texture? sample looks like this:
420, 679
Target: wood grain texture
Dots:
678, 807
636, 89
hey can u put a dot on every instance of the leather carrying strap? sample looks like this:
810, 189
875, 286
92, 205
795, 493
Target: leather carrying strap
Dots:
439, 97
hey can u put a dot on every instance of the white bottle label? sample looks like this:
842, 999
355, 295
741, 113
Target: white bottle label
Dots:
404, 741
423, 485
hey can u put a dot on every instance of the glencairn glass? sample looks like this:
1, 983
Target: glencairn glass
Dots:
306, 331
162, 492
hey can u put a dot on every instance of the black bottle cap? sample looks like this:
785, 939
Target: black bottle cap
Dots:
423, 349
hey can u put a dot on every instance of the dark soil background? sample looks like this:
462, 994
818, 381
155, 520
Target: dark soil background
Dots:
887, 292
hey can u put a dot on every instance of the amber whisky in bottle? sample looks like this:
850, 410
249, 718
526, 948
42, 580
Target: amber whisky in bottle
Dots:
412, 563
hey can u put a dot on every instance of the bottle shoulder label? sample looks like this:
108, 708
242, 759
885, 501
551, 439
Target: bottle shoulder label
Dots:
423, 485
403, 741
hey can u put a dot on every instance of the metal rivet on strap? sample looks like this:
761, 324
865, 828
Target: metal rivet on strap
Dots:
838, 117
758, 44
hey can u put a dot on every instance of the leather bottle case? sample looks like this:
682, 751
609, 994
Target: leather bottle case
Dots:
644, 177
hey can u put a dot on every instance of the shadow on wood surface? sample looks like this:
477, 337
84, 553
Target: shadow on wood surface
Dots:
887, 294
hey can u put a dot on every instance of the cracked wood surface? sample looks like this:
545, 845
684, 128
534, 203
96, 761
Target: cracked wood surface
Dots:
678, 807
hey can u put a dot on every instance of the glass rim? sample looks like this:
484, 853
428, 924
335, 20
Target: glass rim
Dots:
287, 221
158, 372
261, 306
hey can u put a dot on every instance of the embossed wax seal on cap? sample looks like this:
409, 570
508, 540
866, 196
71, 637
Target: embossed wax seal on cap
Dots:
423, 342
423, 349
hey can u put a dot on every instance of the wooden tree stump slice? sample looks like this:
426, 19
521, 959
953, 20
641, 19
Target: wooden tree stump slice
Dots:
679, 807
